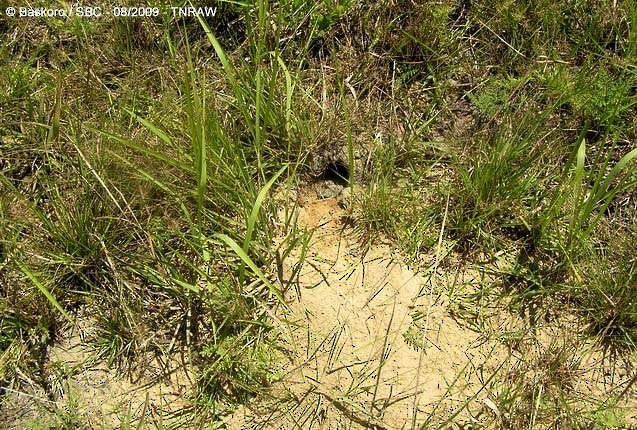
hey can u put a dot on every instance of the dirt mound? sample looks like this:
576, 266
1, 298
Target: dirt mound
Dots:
372, 342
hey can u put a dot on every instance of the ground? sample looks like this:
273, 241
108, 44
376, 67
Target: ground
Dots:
332, 214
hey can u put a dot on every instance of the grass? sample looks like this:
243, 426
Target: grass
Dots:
140, 160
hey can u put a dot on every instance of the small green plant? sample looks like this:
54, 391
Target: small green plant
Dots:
65, 415
586, 194
605, 292
502, 183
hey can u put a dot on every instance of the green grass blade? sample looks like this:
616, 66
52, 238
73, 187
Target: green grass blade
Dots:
149, 152
152, 127
54, 125
248, 262
98, 177
254, 214
619, 168
604, 192
150, 178
187, 286
225, 63
50, 297
288, 96
201, 167
577, 185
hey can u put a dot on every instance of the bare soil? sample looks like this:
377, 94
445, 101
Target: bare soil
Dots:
369, 343
373, 344
95, 392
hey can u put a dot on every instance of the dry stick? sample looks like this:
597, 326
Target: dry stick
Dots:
625, 390
142, 419
382, 357
335, 350
369, 424
320, 272
382, 281
310, 356
20, 393
470, 399
424, 332
99, 179
346, 366
501, 39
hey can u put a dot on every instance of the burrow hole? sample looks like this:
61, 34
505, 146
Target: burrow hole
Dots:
336, 171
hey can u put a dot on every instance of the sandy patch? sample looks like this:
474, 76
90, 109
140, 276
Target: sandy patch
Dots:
373, 344
93, 392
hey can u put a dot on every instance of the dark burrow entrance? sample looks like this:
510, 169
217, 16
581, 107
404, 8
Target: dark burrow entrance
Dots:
337, 172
